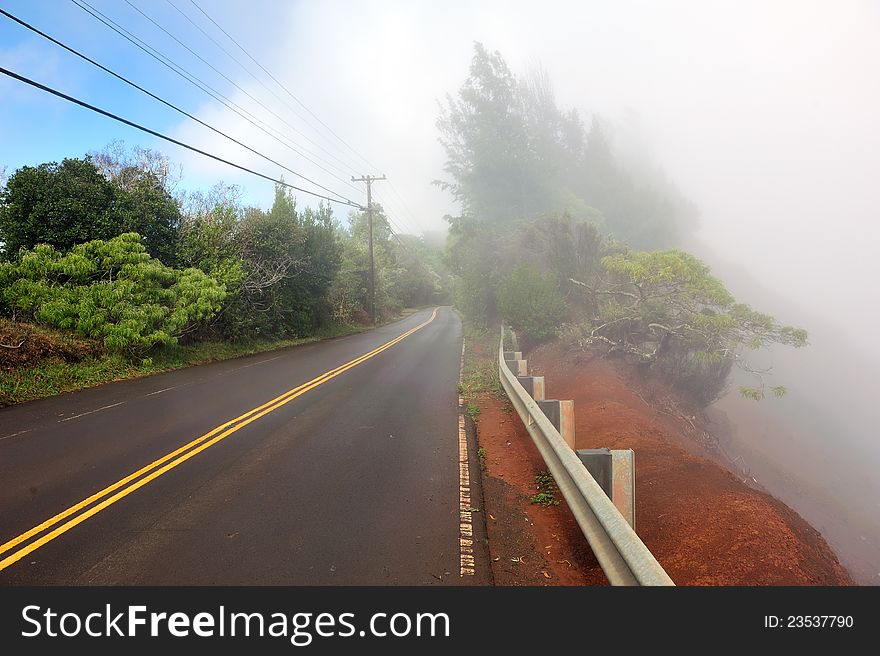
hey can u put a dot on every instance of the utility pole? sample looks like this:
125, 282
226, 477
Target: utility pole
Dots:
369, 179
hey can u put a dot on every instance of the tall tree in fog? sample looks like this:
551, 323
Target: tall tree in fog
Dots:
484, 133
513, 154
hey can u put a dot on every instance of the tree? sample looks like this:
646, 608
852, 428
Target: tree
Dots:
57, 204
665, 309
147, 208
530, 302
71, 203
486, 143
384, 256
513, 155
474, 257
416, 280
125, 167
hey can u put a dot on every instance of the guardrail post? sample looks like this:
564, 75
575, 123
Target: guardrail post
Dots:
614, 471
513, 355
622, 555
534, 385
561, 415
623, 483
518, 367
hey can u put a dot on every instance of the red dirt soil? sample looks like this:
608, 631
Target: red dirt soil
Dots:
704, 525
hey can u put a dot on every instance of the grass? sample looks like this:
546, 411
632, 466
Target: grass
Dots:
546, 495
53, 375
480, 372
473, 411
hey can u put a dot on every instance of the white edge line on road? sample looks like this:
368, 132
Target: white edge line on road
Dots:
254, 364
6, 437
167, 389
465, 512
83, 414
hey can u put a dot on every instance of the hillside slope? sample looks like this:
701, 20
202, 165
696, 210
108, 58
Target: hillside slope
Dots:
702, 521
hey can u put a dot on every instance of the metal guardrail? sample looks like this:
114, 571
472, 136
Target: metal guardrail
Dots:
622, 555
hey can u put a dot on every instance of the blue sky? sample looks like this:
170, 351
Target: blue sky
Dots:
36, 127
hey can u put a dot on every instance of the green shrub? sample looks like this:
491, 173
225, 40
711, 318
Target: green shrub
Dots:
111, 290
531, 302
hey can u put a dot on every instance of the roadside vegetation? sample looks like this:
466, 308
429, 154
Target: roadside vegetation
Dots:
52, 362
546, 494
563, 235
108, 272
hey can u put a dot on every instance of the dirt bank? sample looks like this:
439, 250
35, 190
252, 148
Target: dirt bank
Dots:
704, 524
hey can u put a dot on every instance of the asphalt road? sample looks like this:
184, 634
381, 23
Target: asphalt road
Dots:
353, 479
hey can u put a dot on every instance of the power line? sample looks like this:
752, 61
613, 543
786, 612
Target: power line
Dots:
137, 126
386, 202
215, 69
282, 86
406, 208
199, 84
165, 102
410, 215
259, 81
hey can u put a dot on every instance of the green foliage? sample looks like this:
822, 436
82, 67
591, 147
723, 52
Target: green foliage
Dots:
278, 266
531, 302
545, 499
473, 410
409, 271
513, 154
110, 290
665, 309
478, 377
473, 256
546, 495
149, 210
57, 204
70, 203
58, 372
485, 137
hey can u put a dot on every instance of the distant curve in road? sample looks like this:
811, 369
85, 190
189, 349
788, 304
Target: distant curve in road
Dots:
335, 463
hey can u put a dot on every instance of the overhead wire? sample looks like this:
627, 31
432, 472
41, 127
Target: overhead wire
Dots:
203, 86
231, 105
284, 88
406, 211
399, 198
166, 103
247, 70
82, 103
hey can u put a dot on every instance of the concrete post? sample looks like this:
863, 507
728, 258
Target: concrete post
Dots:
599, 463
561, 415
534, 386
614, 471
623, 483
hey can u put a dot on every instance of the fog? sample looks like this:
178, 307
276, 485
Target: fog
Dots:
762, 113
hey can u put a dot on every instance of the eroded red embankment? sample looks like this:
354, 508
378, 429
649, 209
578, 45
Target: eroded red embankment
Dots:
703, 524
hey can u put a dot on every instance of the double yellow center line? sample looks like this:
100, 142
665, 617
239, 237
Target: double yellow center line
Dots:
123, 487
